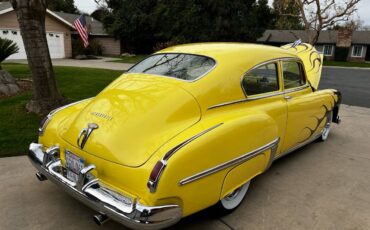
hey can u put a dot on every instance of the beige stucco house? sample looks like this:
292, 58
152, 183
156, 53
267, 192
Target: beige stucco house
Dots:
59, 32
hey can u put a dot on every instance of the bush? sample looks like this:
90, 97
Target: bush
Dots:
94, 48
341, 53
7, 48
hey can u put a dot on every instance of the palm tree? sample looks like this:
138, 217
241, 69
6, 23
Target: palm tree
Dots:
31, 18
7, 48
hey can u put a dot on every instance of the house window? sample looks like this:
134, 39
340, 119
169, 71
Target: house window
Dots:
5, 32
357, 51
328, 50
14, 32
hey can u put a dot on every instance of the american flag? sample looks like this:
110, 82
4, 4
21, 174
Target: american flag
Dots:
81, 27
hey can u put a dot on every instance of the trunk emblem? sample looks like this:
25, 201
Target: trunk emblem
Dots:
85, 133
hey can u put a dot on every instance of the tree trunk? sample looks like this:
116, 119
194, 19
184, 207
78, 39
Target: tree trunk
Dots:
31, 17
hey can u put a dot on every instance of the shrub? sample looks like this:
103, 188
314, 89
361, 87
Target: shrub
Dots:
94, 48
7, 48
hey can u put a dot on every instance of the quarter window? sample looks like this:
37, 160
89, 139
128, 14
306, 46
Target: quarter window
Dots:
357, 51
262, 79
293, 75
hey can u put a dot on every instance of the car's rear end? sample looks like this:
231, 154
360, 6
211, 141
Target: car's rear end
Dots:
102, 150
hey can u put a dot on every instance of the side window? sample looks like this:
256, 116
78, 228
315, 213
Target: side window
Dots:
293, 75
263, 79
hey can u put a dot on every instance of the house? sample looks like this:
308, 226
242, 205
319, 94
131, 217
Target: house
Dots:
332, 43
59, 32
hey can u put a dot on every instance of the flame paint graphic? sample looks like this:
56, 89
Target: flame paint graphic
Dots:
326, 115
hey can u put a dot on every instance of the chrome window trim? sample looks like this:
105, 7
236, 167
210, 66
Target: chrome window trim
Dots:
275, 61
298, 88
241, 159
266, 95
189, 81
307, 84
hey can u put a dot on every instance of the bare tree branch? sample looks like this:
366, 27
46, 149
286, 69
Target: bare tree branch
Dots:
320, 14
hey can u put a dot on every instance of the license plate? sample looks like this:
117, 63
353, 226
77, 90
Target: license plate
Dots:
74, 164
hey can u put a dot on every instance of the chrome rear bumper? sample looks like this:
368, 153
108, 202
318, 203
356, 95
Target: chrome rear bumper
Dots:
100, 197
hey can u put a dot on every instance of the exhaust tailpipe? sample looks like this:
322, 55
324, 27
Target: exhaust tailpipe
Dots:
40, 176
100, 218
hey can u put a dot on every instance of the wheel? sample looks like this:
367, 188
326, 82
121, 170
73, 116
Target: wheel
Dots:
326, 130
232, 200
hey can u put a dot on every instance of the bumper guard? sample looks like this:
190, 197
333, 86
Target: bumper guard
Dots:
100, 197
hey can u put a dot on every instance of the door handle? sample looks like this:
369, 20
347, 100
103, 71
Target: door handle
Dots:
287, 97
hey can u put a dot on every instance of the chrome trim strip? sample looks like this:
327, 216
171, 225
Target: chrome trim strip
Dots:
260, 97
178, 147
227, 164
152, 184
298, 146
297, 88
48, 118
246, 100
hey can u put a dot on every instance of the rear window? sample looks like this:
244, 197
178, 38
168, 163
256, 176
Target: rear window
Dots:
182, 66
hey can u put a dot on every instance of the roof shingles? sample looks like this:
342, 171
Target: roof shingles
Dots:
326, 36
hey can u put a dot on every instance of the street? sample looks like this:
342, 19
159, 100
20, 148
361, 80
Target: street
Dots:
354, 83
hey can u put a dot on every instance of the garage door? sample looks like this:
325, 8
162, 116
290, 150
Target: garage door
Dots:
55, 42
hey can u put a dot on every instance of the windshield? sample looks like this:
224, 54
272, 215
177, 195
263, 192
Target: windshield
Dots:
181, 66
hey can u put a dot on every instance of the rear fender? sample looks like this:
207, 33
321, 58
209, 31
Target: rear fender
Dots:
230, 140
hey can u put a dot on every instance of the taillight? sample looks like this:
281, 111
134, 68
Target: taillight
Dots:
155, 174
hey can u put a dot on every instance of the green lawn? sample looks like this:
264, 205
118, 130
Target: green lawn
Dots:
18, 128
133, 60
347, 64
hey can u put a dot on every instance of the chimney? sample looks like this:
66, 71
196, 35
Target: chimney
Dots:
344, 37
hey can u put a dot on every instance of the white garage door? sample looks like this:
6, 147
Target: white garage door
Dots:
55, 42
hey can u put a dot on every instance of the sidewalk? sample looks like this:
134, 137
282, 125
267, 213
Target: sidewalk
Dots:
103, 63
322, 186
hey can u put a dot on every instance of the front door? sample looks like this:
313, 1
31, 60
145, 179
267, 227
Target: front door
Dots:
303, 106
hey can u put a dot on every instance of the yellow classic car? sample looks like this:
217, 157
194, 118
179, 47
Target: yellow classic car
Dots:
186, 128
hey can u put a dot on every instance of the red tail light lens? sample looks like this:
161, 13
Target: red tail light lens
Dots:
155, 174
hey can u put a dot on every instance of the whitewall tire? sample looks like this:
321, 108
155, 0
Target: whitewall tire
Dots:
326, 130
233, 200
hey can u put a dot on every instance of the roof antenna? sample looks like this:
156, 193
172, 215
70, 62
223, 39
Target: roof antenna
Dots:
296, 43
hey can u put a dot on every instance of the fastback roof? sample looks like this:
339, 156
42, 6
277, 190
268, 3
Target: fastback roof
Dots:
219, 50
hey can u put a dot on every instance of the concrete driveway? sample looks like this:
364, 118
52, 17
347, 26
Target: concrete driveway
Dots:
322, 186
102, 63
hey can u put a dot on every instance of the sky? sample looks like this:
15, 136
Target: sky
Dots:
88, 6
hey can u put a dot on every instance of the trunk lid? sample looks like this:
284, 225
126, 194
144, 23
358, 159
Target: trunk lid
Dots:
136, 114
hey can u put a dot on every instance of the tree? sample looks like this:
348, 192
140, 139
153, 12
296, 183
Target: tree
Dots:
7, 48
282, 9
31, 18
320, 14
142, 24
66, 6
100, 13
